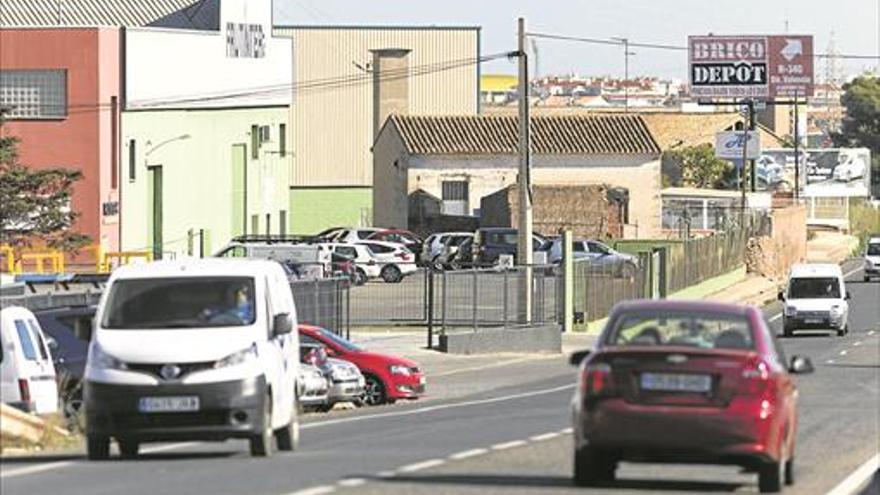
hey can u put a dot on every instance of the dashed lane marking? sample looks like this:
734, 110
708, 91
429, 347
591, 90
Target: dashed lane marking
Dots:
509, 445
315, 490
419, 466
545, 436
351, 482
467, 454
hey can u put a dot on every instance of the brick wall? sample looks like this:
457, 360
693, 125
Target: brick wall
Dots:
773, 256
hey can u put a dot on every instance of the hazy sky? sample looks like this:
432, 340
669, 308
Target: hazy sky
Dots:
855, 23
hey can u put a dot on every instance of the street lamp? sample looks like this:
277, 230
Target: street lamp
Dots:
182, 137
626, 54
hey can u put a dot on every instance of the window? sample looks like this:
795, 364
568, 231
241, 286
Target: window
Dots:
27, 344
282, 140
132, 160
38, 339
255, 142
455, 197
234, 252
34, 94
282, 222
349, 251
255, 224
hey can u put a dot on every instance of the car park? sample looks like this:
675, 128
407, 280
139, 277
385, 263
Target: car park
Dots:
815, 298
395, 261
490, 243
872, 257
403, 237
601, 257
197, 349
686, 382
450, 249
312, 388
344, 379
388, 378
27, 375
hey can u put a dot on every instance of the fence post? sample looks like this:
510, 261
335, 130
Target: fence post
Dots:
505, 305
348, 311
430, 291
317, 311
568, 283
474, 300
443, 299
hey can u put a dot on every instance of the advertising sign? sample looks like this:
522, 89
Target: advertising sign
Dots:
729, 145
824, 172
750, 66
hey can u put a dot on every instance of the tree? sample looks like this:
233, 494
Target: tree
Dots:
861, 125
35, 204
700, 167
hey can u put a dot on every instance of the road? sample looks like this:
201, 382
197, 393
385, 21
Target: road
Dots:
512, 438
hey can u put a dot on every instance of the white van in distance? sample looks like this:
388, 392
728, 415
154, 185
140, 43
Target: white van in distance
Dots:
201, 349
27, 375
815, 298
872, 257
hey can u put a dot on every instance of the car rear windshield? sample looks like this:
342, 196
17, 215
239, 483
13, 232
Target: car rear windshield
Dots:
690, 329
186, 302
814, 288
874, 249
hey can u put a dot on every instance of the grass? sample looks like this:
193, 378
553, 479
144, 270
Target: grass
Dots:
54, 438
864, 220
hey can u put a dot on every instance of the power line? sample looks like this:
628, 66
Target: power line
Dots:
661, 46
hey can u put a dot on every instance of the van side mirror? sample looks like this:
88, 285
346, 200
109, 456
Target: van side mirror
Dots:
800, 365
82, 328
781, 296
51, 343
281, 324
848, 296
577, 357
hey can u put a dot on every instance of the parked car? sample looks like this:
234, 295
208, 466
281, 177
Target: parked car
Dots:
815, 297
850, 167
312, 388
365, 265
602, 258
463, 257
388, 378
450, 248
27, 375
686, 381
872, 257
304, 258
221, 360
492, 242
403, 237
395, 260
349, 234
344, 379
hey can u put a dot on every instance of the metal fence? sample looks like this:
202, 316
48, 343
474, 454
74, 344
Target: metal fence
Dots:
324, 303
402, 303
697, 260
597, 288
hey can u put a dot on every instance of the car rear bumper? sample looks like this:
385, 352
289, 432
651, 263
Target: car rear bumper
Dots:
229, 409
675, 434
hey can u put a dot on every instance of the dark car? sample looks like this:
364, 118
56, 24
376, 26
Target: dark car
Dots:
492, 242
686, 382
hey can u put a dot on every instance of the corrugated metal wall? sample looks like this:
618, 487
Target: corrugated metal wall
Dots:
333, 98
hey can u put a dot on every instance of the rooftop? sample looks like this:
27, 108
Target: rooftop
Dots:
498, 134
94, 13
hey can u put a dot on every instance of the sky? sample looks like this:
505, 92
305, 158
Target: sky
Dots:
855, 24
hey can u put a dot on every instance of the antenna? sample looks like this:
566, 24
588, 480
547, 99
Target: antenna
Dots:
537, 72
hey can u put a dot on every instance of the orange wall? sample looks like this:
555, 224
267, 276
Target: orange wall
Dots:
82, 140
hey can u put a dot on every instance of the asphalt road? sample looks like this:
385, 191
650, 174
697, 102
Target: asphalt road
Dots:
514, 438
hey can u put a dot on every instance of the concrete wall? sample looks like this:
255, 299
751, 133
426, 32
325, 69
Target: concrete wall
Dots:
773, 256
175, 68
82, 140
198, 174
315, 209
538, 338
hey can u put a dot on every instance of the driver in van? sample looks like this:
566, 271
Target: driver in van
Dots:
238, 304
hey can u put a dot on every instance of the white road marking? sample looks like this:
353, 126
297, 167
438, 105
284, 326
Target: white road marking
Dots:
545, 436
351, 482
419, 466
315, 490
844, 352
856, 344
39, 468
854, 270
467, 454
830, 361
870, 332
509, 445
775, 317
440, 407
566, 431
385, 474
857, 478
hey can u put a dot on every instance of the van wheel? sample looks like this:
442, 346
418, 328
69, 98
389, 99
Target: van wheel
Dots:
128, 448
97, 448
287, 438
843, 331
261, 443
391, 274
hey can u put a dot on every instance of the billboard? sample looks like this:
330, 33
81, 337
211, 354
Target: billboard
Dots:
824, 172
760, 67
729, 145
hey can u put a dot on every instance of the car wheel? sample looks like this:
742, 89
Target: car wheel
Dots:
391, 274
843, 331
261, 443
789, 471
374, 391
591, 469
287, 438
770, 477
97, 447
128, 448
867, 278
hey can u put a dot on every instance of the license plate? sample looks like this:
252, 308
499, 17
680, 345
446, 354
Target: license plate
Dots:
812, 321
168, 404
669, 382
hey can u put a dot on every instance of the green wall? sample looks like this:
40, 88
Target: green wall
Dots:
315, 209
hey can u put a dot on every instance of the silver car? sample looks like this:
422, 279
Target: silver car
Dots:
344, 379
312, 388
602, 258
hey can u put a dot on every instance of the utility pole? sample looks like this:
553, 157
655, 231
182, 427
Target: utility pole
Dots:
524, 247
743, 174
797, 164
752, 128
626, 54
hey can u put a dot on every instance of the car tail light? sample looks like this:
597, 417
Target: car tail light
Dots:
24, 390
756, 375
597, 381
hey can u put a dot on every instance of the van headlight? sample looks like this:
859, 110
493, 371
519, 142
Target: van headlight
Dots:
837, 310
101, 360
397, 369
790, 311
237, 358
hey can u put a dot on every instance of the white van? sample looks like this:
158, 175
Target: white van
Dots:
198, 349
28, 375
815, 298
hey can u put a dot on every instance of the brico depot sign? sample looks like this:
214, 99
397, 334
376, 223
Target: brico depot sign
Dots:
761, 67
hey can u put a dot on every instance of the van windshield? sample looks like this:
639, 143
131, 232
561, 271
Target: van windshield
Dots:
874, 249
185, 302
814, 288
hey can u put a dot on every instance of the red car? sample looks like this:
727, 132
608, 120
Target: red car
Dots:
388, 378
691, 382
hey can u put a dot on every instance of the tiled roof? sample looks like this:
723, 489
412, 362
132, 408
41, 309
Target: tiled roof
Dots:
551, 135
694, 129
86, 13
